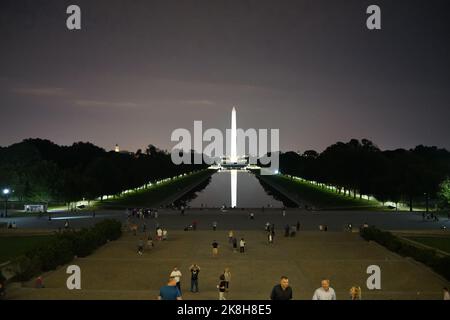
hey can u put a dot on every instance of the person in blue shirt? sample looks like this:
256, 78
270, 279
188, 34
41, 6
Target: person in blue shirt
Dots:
170, 291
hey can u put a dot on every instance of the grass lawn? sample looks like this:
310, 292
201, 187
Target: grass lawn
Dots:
441, 243
14, 246
319, 196
156, 193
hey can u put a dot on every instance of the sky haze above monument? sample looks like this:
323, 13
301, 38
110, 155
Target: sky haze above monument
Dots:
138, 69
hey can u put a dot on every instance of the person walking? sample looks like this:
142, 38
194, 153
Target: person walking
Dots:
195, 269
227, 275
242, 245
215, 248
286, 230
176, 274
170, 291
282, 291
221, 287
214, 225
325, 292
298, 226
164, 234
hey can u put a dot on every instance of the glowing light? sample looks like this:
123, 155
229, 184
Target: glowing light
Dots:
233, 188
6, 191
233, 155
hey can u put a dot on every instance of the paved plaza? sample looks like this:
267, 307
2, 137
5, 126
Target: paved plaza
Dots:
116, 271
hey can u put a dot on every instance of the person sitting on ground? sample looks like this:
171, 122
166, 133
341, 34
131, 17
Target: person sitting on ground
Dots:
325, 292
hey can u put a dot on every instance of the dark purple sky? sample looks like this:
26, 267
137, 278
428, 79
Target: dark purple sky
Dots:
140, 69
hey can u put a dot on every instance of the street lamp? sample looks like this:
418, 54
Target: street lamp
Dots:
6, 193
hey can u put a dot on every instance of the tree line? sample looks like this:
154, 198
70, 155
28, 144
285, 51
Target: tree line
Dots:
40, 170
359, 167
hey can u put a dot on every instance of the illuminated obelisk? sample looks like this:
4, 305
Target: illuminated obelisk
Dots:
233, 155
233, 158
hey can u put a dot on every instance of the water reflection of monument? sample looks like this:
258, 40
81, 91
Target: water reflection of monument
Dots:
233, 161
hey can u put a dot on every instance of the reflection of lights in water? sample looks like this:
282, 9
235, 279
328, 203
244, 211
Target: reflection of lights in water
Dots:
233, 188
71, 218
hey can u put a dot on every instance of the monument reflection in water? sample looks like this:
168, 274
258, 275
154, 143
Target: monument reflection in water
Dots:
234, 188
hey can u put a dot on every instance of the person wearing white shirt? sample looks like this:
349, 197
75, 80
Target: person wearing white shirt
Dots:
446, 294
325, 292
176, 274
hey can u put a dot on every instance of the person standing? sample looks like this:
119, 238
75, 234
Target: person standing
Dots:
214, 225
230, 236
215, 248
446, 294
325, 292
221, 287
149, 242
159, 234
141, 246
282, 291
242, 245
269, 237
298, 225
286, 230
164, 234
195, 269
170, 291
234, 244
227, 275
176, 274
355, 293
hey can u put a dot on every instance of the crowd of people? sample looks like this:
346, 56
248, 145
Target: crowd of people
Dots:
282, 291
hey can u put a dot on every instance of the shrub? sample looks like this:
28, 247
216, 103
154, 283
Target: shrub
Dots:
393, 243
64, 247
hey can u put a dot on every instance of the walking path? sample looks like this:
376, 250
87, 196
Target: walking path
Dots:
115, 271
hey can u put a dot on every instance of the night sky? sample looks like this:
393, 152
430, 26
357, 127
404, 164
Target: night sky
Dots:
140, 69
